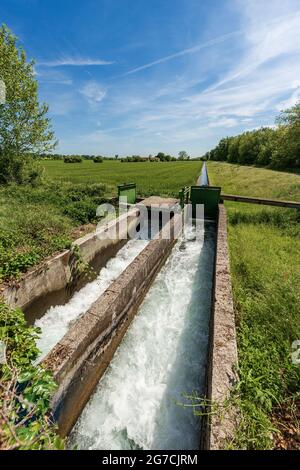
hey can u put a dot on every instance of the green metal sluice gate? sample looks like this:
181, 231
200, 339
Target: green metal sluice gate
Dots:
127, 193
209, 196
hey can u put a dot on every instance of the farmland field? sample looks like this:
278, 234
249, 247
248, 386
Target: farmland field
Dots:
35, 222
165, 179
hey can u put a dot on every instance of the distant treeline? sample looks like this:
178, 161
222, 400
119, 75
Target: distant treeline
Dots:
78, 159
74, 158
160, 157
277, 147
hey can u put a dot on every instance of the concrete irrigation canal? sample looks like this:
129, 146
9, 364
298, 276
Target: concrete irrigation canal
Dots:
136, 348
138, 403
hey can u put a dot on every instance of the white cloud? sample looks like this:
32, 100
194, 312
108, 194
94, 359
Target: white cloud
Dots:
93, 92
269, 37
292, 101
75, 61
262, 77
253, 89
53, 76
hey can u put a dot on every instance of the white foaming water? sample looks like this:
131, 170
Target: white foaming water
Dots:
56, 321
138, 402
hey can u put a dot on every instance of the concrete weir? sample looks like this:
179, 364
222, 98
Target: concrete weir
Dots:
81, 357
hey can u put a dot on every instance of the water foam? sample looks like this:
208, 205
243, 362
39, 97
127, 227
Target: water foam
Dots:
163, 356
57, 320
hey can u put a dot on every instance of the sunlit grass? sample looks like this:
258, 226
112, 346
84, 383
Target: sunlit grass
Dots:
265, 265
165, 179
252, 181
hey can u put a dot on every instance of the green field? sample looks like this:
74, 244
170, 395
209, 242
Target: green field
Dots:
35, 222
265, 265
252, 181
165, 179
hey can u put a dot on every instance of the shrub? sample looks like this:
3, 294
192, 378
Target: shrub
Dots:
98, 159
25, 418
72, 159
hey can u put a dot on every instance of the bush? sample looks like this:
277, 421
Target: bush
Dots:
98, 159
26, 391
73, 159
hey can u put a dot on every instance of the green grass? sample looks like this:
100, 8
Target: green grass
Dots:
252, 181
165, 179
265, 264
35, 222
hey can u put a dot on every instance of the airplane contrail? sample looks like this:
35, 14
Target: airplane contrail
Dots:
190, 50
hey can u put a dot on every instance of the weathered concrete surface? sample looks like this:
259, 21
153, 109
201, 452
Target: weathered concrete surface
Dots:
81, 357
223, 357
160, 201
53, 282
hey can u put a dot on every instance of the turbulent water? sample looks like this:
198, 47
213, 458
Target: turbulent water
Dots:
56, 321
138, 403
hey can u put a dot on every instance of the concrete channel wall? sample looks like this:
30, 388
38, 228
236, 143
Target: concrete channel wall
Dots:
55, 280
219, 424
79, 360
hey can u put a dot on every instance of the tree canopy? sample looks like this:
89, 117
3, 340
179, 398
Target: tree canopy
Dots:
277, 147
25, 129
183, 155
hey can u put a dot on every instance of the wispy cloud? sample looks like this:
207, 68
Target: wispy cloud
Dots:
267, 40
53, 76
93, 92
190, 50
62, 105
227, 89
74, 61
260, 83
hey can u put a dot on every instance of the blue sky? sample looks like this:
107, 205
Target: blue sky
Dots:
142, 76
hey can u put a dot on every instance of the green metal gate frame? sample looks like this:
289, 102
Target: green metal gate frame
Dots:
207, 195
127, 192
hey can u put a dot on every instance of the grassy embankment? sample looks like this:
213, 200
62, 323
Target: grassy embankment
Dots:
36, 222
265, 264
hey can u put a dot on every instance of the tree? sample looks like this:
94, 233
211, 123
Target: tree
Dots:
248, 148
233, 150
160, 156
287, 149
116, 157
276, 147
183, 155
24, 128
221, 151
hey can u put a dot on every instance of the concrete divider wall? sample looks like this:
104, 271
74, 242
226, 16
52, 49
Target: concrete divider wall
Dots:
52, 283
81, 357
218, 428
